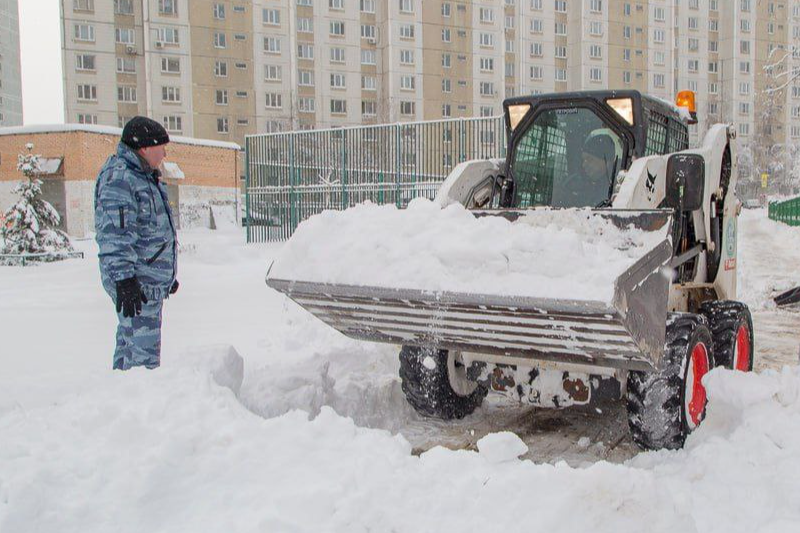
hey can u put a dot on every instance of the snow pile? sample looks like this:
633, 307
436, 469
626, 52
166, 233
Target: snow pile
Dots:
548, 253
172, 451
765, 271
501, 447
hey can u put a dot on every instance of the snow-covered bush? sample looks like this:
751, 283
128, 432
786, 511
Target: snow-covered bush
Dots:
29, 226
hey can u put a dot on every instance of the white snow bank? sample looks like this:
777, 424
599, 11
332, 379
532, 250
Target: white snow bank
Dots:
501, 447
769, 258
172, 451
222, 362
545, 253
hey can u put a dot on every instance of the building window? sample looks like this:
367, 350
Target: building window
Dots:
337, 28
407, 108
171, 95
486, 40
406, 6
486, 64
658, 80
446, 62
446, 111
487, 87
271, 17
126, 94
85, 62
486, 15
222, 125
167, 7
446, 85
273, 101
407, 83
272, 45
561, 28
338, 81
124, 36
367, 6
219, 11
305, 78
337, 55
368, 31
596, 6
369, 108
744, 47
368, 57
220, 40
447, 9
537, 26
272, 73
536, 49
87, 92
595, 51
336, 4
406, 57
658, 35
561, 52
222, 97
123, 7
167, 36
87, 119
369, 83
83, 5
406, 31
744, 129
307, 105
537, 73
596, 28
595, 75
305, 51
170, 65
126, 65
84, 32
338, 107
173, 123
221, 69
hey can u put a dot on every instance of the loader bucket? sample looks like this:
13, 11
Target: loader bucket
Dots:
627, 332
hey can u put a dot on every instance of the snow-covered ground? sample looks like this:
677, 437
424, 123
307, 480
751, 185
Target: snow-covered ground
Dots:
317, 435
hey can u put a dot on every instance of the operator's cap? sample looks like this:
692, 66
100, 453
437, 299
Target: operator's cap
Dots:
600, 146
141, 132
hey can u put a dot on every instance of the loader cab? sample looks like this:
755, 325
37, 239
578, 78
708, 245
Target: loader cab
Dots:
566, 149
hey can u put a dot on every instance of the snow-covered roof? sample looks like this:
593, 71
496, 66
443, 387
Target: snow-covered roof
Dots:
107, 130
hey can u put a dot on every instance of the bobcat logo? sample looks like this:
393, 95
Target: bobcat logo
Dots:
651, 185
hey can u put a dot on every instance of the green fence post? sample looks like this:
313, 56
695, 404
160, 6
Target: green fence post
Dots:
345, 199
292, 193
246, 189
398, 159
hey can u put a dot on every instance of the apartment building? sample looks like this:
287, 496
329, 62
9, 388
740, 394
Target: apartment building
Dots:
222, 69
10, 70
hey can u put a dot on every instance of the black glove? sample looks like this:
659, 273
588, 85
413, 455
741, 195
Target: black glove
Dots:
130, 297
174, 288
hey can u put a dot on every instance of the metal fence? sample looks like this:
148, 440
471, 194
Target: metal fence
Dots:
294, 175
787, 211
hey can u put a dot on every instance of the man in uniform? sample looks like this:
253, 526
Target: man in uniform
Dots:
137, 241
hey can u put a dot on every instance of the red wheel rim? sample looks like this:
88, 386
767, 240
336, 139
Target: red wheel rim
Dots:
741, 358
695, 391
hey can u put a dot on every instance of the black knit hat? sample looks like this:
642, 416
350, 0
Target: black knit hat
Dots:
141, 132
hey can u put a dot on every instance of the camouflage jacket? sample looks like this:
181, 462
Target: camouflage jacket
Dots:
133, 221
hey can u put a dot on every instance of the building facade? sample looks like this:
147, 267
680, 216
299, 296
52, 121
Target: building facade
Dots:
222, 69
202, 176
10, 71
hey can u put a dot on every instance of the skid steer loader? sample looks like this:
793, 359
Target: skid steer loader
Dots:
616, 156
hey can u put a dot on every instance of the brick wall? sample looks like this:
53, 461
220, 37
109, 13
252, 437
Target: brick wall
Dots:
84, 154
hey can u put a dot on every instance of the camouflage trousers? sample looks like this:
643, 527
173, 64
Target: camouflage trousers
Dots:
139, 338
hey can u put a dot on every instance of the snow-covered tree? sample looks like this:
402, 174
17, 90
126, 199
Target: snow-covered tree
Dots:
30, 224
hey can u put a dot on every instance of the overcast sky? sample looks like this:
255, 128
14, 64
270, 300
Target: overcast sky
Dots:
40, 43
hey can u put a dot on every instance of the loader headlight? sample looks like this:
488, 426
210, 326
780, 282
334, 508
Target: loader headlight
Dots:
516, 113
623, 107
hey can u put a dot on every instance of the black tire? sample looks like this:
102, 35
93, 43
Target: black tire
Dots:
426, 384
730, 321
658, 415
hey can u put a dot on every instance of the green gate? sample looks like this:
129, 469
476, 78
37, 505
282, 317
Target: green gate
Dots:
294, 175
787, 211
